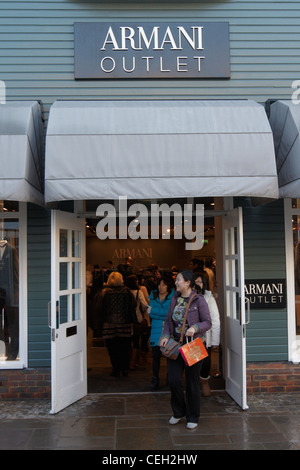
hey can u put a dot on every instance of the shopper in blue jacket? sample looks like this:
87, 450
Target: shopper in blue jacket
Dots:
159, 302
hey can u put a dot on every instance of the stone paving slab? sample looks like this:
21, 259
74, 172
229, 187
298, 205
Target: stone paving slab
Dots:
140, 422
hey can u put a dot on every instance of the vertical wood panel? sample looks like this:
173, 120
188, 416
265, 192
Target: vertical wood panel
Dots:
39, 276
264, 245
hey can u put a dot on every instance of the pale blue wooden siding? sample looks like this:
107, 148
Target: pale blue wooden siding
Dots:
36, 49
39, 272
264, 249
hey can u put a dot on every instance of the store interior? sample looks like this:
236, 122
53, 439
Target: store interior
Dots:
102, 256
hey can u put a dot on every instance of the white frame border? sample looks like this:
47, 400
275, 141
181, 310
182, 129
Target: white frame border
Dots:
293, 339
23, 297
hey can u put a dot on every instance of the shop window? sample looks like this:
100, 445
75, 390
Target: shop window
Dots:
9, 281
296, 247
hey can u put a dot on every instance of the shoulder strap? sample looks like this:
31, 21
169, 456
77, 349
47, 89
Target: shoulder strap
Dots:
185, 315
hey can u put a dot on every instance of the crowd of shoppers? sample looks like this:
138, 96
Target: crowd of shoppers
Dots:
135, 311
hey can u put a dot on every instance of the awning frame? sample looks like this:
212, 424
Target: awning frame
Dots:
149, 149
21, 152
285, 123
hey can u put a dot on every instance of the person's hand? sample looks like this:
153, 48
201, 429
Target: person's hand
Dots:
190, 332
164, 342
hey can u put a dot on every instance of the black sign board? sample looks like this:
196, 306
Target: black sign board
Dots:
151, 50
266, 293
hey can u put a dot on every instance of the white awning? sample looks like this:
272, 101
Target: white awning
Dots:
21, 136
158, 149
285, 123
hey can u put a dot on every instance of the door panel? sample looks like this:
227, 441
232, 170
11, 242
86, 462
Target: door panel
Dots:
68, 310
235, 338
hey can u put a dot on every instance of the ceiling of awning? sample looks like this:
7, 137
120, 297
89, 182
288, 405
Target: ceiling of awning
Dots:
285, 124
158, 149
21, 155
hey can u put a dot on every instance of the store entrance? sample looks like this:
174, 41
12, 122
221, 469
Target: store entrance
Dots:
147, 258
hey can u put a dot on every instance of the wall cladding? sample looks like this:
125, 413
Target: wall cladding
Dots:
37, 41
264, 250
39, 273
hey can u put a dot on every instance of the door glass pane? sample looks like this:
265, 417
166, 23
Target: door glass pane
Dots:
236, 273
63, 276
237, 306
296, 203
232, 272
63, 309
76, 310
76, 244
76, 269
230, 241
9, 206
296, 239
63, 243
233, 304
9, 287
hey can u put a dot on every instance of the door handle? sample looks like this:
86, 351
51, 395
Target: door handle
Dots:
57, 310
247, 302
49, 314
49, 322
57, 314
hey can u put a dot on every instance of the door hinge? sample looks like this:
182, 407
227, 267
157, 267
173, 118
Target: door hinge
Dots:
52, 334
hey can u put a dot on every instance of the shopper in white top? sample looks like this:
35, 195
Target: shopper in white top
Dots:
212, 336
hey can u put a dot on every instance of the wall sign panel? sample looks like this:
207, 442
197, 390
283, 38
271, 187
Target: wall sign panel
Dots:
151, 50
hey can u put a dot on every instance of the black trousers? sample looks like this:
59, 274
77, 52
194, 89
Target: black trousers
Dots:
118, 350
156, 355
206, 365
188, 405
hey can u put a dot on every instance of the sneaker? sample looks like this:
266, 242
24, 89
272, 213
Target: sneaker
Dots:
174, 420
191, 425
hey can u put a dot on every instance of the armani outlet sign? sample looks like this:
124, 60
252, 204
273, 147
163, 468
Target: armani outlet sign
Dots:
147, 50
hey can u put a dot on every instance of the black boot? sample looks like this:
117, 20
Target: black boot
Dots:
154, 383
115, 373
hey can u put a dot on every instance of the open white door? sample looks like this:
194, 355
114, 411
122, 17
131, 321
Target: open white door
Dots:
234, 300
68, 310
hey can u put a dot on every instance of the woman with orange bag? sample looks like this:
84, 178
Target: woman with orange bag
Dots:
197, 323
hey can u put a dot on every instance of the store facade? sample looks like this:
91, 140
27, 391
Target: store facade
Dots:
111, 101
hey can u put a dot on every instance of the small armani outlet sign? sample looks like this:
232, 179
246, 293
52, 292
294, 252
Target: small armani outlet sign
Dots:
266, 293
147, 50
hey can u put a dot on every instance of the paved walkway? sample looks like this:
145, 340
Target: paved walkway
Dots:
140, 422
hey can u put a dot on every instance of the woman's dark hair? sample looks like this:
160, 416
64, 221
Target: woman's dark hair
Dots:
132, 282
188, 276
204, 280
198, 264
167, 278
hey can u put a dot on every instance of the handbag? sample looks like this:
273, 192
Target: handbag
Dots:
171, 349
193, 351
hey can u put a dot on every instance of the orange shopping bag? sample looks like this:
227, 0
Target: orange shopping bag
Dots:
193, 352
